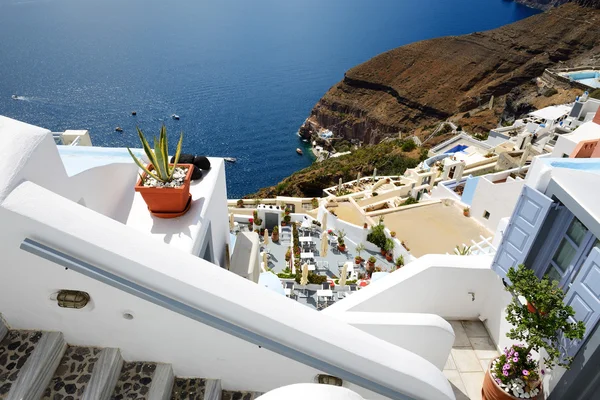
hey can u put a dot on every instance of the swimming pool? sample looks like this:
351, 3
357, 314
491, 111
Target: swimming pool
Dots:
589, 78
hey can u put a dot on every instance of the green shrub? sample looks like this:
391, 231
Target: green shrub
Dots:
377, 236
409, 146
423, 154
550, 92
595, 94
409, 201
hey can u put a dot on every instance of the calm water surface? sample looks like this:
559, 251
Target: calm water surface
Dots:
242, 75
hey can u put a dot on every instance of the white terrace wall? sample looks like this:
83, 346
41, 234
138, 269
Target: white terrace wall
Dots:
498, 199
158, 334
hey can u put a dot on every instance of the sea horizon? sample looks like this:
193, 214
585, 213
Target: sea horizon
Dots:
242, 76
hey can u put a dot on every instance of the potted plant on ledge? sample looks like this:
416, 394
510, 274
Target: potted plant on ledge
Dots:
371, 265
275, 234
515, 374
341, 244
389, 248
164, 186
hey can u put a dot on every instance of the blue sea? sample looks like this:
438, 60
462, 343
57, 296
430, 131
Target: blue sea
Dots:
242, 75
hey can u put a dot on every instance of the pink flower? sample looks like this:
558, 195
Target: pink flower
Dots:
498, 381
525, 372
543, 372
505, 367
516, 359
505, 373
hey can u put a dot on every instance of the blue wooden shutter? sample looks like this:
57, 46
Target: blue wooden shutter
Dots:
584, 297
525, 222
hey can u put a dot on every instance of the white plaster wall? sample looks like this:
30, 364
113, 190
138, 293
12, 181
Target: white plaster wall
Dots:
499, 199
435, 335
216, 210
107, 189
157, 334
433, 284
564, 145
245, 261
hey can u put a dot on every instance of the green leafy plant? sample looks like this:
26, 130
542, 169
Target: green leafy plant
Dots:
551, 321
341, 235
515, 368
377, 236
389, 245
315, 203
409, 201
240, 203
360, 248
409, 146
159, 156
462, 250
372, 260
400, 261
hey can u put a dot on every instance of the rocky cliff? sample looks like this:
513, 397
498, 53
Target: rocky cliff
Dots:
410, 89
547, 4
422, 83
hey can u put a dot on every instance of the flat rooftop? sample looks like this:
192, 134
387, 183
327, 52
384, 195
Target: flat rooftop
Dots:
434, 228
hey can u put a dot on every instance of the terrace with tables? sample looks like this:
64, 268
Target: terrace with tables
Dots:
323, 259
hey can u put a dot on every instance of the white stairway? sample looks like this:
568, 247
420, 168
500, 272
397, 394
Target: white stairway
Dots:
41, 365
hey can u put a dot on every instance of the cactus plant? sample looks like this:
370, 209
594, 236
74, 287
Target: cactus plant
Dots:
159, 156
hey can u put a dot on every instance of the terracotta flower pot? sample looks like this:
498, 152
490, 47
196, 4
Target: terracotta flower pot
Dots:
275, 237
383, 252
388, 257
491, 390
357, 261
167, 200
342, 248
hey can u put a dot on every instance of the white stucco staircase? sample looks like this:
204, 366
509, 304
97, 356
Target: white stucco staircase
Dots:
41, 365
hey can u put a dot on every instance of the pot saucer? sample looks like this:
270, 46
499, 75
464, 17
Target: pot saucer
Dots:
167, 215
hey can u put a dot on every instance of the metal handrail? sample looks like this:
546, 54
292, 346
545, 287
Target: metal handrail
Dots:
128, 286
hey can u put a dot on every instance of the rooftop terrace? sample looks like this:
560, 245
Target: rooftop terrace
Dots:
434, 228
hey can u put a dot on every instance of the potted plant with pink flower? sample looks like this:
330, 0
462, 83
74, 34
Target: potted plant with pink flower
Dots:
516, 374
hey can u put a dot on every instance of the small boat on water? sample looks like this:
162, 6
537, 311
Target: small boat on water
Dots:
305, 140
119, 129
230, 159
175, 116
15, 97
134, 113
299, 151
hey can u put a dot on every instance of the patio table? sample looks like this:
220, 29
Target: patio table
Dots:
307, 255
305, 239
311, 267
325, 293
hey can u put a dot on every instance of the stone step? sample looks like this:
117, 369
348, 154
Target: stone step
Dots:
73, 374
162, 383
196, 389
3, 328
239, 395
135, 381
15, 349
37, 371
105, 375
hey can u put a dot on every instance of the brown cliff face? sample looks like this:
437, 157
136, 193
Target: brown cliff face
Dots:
425, 82
547, 4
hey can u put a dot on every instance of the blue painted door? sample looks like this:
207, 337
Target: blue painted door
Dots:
584, 296
525, 223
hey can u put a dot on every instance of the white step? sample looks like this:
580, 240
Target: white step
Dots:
39, 368
104, 376
162, 383
3, 328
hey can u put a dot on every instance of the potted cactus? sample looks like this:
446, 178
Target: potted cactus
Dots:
341, 244
164, 186
275, 234
389, 247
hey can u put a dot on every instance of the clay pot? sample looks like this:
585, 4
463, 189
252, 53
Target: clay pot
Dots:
167, 200
388, 257
275, 237
357, 261
466, 213
342, 248
491, 390
383, 252
283, 223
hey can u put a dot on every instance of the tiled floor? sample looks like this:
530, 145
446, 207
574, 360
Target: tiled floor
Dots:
470, 356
